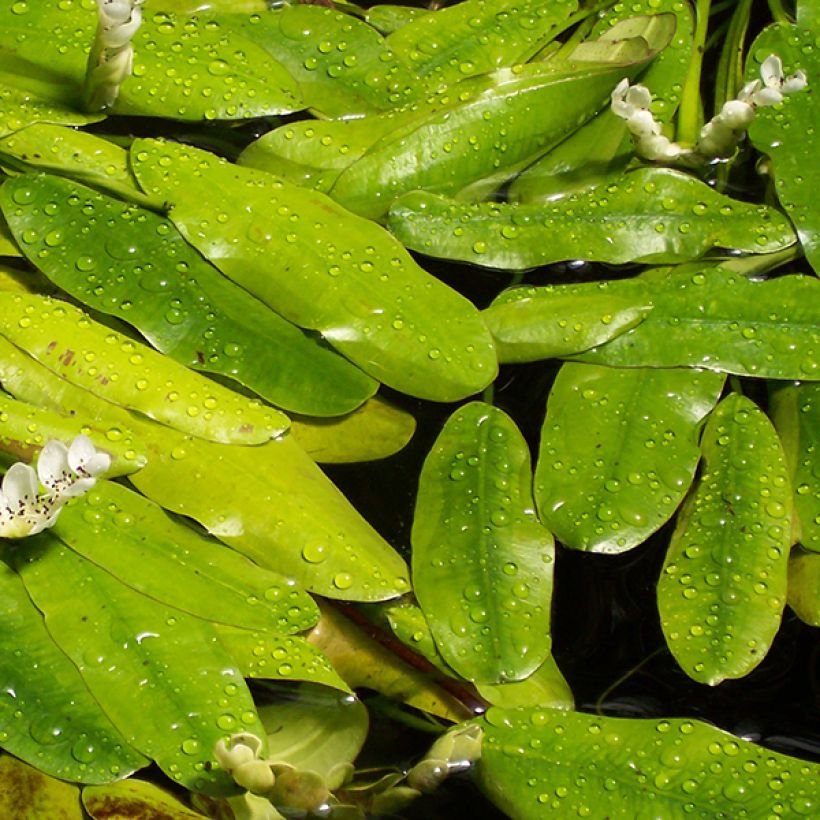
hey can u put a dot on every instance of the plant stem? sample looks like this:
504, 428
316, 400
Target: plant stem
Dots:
689, 113
779, 13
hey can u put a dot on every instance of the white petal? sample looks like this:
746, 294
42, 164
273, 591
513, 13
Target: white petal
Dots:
771, 71
643, 124
767, 96
639, 96
20, 485
52, 465
76, 488
99, 463
737, 114
797, 82
749, 90
80, 452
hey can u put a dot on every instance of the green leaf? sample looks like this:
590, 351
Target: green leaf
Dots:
28, 794
342, 65
365, 663
139, 544
268, 656
219, 63
546, 687
274, 505
388, 18
477, 36
315, 730
721, 321
76, 154
20, 107
159, 674
47, 715
804, 586
131, 799
602, 148
788, 132
618, 452
482, 563
375, 430
26, 428
723, 586
543, 323
143, 272
654, 215
795, 411
539, 763
128, 373
8, 247
409, 625
365, 295
529, 110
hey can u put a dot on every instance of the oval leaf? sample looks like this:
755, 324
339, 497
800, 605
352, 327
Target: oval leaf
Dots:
804, 586
324, 269
133, 799
538, 763
138, 543
274, 505
159, 674
795, 411
219, 63
142, 271
26, 793
482, 563
723, 586
651, 215
608, 476
47, 715
542, 323
722, 321
125, 372
788, 132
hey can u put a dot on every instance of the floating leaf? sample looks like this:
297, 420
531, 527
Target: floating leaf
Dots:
326, 270
477, 36
649, 215
26, 428
342, 65
225, 75
788, 132
131, 799
146, 274
546, 687
363, 662
47, 715
388, 18
125, 372
804, 586
538, 763
795, 411
8, 247
268, 656
375, 430
722, 321
274, 505
27, 794
608, 477
482, 562
315, 730
543, 323
159, 674
139, 544
723, 587
76, 154
529, 110
20, 107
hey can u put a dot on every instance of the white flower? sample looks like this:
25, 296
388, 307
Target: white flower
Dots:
240, 757
775, 85
65, 472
